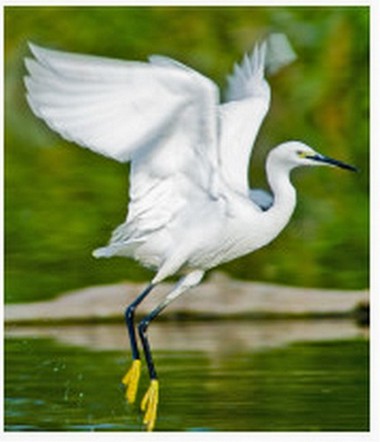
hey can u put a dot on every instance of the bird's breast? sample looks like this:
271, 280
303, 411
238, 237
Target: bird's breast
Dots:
222, 243
238, 235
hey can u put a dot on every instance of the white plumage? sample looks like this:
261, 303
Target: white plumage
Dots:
190, 205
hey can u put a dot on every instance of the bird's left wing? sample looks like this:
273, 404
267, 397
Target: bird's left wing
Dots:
161, 115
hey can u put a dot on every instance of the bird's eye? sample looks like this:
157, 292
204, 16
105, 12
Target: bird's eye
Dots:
301, 153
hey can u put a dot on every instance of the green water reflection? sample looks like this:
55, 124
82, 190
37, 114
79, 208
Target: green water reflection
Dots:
319, 386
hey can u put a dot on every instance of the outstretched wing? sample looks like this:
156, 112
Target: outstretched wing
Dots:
248, 97
160, 115
114, 107
247, 102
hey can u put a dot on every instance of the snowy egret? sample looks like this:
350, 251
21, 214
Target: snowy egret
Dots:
190, 206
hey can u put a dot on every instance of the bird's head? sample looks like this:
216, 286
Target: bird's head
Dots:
294, 154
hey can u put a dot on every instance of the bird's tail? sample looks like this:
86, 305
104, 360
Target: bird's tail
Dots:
122, 248
104, 252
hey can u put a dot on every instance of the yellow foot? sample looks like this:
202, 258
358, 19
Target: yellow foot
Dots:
131, 381
149, 405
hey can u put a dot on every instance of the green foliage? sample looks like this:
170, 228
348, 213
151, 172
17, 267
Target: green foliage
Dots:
62, 201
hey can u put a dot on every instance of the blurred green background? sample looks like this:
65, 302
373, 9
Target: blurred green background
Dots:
63, 201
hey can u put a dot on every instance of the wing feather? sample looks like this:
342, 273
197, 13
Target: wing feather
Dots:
114, 107
247, 103
248, 97
160, 115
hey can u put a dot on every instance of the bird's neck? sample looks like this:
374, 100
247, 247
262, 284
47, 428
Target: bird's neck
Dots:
284, 195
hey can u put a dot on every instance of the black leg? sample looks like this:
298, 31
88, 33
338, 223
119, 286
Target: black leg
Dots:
184, 284
142, 327
149, 403
150, 400
130, 320
131, 378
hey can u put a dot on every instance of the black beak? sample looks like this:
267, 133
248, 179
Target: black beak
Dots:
336, 163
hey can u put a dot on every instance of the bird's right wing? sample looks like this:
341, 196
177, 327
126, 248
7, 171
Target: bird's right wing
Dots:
248, 97
247, 103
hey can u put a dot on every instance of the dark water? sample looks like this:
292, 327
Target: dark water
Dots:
303, 386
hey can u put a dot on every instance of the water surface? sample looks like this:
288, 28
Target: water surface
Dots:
223, 383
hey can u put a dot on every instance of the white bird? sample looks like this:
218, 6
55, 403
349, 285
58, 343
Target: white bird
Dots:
190, 205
